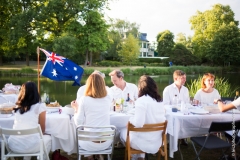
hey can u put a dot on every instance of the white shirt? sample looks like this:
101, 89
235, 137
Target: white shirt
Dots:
29, 119
170, 91
130, 88
147, 110
207, 98
236, 103
93, 111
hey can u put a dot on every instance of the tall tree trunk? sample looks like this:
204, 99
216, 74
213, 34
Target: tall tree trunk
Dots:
90, 64
1, 61
27, 59
86, 58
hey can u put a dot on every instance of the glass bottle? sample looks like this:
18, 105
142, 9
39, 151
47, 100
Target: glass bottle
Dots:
237, 95
128, 98
47, 101
175, 100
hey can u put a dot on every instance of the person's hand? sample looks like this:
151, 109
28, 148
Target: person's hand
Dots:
74, 105
215, 101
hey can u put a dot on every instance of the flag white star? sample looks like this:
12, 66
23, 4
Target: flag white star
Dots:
54, 73
76, 77
75, 68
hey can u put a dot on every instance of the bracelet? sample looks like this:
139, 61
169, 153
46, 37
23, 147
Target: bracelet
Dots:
219, 100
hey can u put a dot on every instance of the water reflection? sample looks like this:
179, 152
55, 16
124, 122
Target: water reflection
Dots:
64, 92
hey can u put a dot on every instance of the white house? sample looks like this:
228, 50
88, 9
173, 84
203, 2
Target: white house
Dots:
145, 50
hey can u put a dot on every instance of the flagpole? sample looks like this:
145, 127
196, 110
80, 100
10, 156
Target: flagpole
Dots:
38, 54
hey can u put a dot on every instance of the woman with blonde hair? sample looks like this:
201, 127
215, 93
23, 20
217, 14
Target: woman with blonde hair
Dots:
93, 110
207, 93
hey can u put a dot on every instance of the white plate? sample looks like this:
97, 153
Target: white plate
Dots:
236, 111
199, 111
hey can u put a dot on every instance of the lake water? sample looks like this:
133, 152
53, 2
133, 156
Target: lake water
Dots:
64, 92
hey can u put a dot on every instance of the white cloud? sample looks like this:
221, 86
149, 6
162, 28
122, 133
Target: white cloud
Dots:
155, 16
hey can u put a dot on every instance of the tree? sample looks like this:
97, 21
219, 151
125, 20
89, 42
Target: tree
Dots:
182, 56
181, 38
207, 27
65, 20
129, 51
225, 47
165, 43
119, 30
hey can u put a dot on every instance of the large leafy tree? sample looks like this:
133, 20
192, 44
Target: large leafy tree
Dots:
80, 22
129, 51
208, 27
183, 56
165, 43
21, 27
118, 31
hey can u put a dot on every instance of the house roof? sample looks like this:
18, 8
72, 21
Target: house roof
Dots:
143, 37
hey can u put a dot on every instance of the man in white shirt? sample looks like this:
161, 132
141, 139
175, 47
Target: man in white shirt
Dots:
176, 91
121, 88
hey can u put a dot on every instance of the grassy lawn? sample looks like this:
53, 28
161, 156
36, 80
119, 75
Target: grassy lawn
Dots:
187, 152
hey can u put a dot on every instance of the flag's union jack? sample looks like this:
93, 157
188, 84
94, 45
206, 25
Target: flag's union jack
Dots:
60, 68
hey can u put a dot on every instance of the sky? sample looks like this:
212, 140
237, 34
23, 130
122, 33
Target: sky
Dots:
155, 16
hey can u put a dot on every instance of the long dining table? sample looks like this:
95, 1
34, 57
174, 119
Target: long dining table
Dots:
61, 127
184, 126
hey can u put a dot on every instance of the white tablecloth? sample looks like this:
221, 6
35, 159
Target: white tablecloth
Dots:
61, 128
184, 126
120, 121
8, 97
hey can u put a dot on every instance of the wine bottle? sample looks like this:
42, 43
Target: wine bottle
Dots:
237, 95
128, 98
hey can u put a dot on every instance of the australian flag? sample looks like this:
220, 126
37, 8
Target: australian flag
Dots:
59, 68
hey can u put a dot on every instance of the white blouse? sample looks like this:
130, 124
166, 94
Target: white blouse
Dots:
29, 119
207, 98
236, 103
147, 111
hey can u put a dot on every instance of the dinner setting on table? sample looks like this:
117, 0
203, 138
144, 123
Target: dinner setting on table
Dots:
102, 118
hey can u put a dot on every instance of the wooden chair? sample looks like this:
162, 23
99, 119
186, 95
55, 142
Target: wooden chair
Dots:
147, 128
5, 132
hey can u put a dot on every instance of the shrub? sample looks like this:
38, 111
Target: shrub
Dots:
27, 70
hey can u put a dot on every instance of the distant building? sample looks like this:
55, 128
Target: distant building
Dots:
145, 50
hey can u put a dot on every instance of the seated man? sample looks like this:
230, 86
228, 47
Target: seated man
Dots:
176, 92
121, 88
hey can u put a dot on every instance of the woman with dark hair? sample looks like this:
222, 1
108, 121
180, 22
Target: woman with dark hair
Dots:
29, 113
148, 109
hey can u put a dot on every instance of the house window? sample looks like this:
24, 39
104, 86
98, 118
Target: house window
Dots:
144, 45
144, 54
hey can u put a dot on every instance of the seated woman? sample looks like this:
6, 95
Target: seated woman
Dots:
148, 109
93, 110
207, 93
225, 107
28, 114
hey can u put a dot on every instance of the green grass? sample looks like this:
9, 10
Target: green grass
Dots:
187, 152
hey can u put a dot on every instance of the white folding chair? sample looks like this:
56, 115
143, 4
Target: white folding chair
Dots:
6, 132
97, 134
